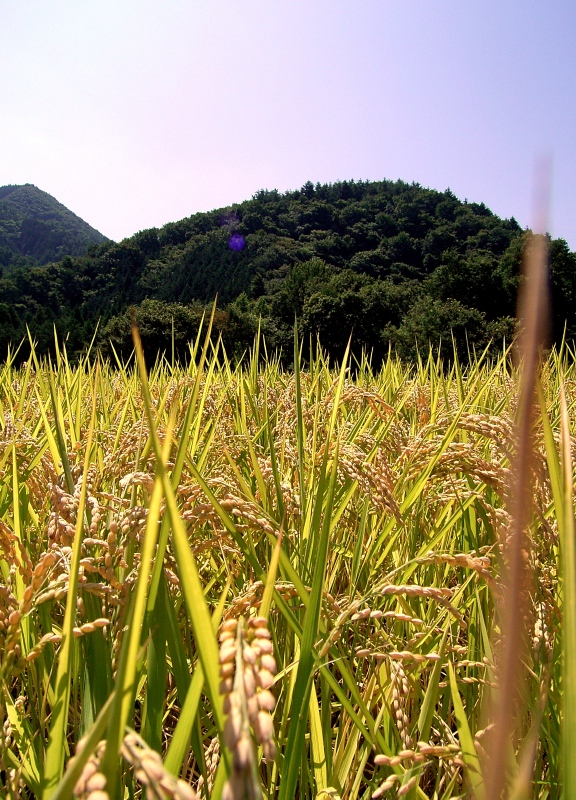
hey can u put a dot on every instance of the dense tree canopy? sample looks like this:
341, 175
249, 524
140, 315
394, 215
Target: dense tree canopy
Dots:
36, 229
392, 264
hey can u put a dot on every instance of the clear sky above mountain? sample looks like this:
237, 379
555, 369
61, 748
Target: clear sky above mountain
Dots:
134, 114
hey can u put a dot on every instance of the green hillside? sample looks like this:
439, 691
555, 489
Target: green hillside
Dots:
36, 228
392, 263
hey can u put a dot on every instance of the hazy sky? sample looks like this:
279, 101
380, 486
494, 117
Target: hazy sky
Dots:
134, 114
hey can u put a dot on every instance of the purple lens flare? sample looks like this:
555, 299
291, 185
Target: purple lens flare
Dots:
236, 242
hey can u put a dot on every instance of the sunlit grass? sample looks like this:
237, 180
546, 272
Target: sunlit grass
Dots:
139, 518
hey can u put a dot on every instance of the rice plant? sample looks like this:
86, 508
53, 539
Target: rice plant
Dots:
239, 581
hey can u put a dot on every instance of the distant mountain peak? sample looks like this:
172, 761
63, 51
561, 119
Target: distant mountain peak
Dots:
34, 225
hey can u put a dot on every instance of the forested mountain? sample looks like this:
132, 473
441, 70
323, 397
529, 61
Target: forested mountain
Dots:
36, 229
392, 263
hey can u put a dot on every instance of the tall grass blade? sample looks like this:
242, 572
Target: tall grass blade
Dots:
55, 751
532, 315
303, 686
469, 754
568, 567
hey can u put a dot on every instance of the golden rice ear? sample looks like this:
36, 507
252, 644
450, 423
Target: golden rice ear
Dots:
150, 771
532, 322
247, 670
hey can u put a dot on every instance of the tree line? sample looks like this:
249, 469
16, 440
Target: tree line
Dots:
390, 263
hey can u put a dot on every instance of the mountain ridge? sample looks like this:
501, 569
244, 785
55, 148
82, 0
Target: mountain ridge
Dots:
37, 228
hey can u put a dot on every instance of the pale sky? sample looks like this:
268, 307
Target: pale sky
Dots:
134, 114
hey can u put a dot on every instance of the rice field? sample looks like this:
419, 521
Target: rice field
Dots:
237, 582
